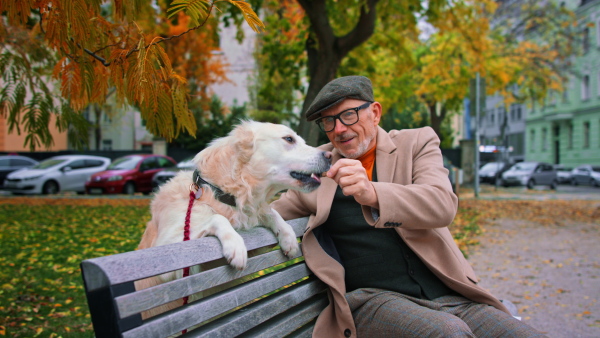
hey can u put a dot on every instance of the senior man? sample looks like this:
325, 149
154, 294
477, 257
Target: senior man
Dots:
377, 232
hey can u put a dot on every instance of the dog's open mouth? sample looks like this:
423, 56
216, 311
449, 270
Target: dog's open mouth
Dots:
307, 178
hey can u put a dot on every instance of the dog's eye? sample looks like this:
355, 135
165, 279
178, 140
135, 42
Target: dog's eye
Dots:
289, 139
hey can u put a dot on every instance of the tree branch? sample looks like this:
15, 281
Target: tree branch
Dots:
362, 31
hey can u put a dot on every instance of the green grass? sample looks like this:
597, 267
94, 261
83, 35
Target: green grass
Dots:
41, 246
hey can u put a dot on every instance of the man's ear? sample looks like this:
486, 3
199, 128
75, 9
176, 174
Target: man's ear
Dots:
377, 110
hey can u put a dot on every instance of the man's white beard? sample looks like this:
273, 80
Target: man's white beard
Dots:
363, 147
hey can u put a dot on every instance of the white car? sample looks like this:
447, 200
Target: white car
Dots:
586, 174
59, 173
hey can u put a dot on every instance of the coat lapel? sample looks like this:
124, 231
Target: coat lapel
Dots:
385, 159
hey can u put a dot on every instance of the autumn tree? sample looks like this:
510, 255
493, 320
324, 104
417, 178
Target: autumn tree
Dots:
142, 50
277, 84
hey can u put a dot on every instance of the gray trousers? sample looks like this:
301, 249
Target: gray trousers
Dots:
382, 313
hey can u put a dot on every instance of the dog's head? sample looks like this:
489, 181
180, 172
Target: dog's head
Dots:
269, 155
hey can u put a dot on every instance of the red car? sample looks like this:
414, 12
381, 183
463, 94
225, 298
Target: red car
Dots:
128, 175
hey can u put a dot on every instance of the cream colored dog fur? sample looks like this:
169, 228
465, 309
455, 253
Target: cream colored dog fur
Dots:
253, 163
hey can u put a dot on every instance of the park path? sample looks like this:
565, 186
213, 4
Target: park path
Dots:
550, 272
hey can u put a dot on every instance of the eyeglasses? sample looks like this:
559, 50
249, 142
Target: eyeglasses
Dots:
348, 117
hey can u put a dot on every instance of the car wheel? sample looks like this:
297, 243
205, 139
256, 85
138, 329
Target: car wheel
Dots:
553, 185
530, 183
594, 183
573, 181
50, 188
129, 188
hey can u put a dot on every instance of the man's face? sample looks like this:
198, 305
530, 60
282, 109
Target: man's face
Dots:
355, 140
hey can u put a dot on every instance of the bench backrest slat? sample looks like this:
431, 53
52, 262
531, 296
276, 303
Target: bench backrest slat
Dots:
257, 313
146, 299
225, 302
195, 313
291, 320
135, 265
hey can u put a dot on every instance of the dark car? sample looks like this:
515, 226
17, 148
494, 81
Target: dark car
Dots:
586, 174
10, 163
492, 172
128, 175
162, 177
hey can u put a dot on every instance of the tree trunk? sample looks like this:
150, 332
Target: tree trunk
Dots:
435, 119
97, 128
326, 53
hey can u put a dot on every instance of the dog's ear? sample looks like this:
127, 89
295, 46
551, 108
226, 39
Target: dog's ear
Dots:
244, 142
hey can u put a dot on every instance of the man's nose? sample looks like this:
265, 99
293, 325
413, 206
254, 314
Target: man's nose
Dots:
339, 127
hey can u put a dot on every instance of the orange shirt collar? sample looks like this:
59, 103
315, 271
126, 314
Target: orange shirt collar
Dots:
368, 161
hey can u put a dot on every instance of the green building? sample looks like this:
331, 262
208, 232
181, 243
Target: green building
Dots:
566, 130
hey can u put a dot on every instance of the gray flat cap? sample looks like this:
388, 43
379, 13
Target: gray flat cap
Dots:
347, 87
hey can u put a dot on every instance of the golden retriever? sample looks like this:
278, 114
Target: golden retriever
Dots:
252, 164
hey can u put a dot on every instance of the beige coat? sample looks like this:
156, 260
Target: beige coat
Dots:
420, 199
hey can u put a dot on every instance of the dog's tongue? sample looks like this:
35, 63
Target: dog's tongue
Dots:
315, 177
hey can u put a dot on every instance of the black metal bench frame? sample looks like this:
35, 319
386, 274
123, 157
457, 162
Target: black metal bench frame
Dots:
281, 303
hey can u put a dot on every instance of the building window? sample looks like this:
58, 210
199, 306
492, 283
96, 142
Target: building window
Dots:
544, 139
585, 87
586, 134
586, 40
570, 136
598, 82
598, 32
532, 140
106, 144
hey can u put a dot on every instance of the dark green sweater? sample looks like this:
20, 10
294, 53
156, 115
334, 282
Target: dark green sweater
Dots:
377, 258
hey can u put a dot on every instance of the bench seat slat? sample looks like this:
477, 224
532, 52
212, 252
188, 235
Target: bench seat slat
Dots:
130, 266
197, 312
146, 299
245, 319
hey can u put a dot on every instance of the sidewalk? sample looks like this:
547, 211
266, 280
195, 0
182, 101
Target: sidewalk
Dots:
550, 272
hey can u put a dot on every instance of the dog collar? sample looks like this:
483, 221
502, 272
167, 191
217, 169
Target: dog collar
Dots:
220, 195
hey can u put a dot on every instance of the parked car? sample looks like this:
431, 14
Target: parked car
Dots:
586, 174
128, 175
563, 174
492, 172
10, 163
530, 174
163, 176
58, 173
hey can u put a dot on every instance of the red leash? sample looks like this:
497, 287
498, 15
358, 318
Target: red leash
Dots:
186, 237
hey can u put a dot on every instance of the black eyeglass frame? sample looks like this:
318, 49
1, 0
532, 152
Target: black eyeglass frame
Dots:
338, 117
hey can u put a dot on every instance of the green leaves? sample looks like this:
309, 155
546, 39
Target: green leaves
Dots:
42, 242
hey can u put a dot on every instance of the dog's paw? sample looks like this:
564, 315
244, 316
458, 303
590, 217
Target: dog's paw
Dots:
235, 253
289, 245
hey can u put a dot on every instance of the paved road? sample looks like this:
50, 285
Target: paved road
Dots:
567, 192
551, 273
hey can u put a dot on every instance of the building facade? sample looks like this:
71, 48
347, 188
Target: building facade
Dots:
566, 130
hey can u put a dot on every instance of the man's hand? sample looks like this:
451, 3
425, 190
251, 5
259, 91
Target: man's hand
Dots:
350, 175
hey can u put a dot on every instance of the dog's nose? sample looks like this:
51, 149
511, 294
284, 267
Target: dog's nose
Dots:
327, 155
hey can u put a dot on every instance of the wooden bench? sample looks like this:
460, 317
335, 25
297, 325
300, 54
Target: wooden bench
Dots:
252, 302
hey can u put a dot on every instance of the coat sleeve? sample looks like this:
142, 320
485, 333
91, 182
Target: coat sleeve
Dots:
293, 204
420, 196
